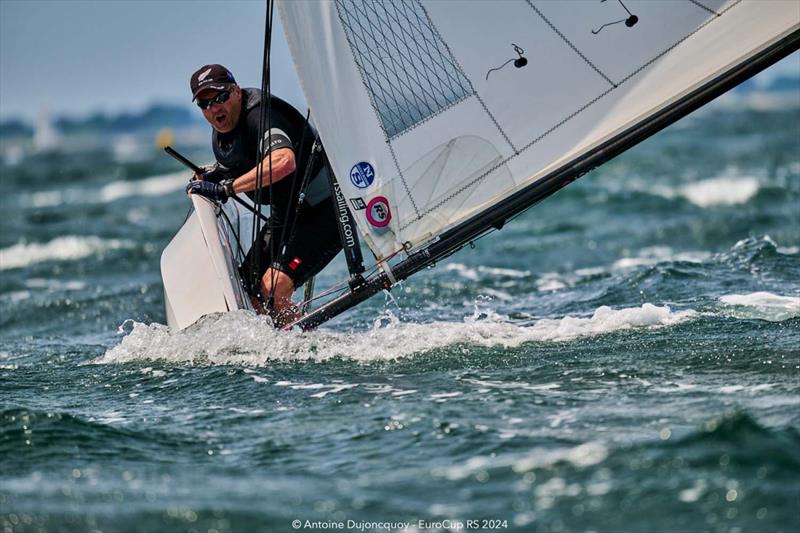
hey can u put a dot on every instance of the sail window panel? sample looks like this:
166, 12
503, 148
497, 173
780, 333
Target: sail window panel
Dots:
454, 209
526, 102
444, 158
474, 170
406, 68
597, 32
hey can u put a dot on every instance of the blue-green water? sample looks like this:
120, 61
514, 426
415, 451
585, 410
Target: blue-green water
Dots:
623, 357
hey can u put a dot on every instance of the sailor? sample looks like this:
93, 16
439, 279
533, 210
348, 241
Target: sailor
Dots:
308, 229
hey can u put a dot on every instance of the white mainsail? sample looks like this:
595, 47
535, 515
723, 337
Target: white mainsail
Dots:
433, 111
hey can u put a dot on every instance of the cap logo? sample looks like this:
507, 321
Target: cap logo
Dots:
202, 75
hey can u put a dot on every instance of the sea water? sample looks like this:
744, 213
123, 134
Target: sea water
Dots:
624, 356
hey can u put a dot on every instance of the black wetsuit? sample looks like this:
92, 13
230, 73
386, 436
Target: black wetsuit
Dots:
310, 232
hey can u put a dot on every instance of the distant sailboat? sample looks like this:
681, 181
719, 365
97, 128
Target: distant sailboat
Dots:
443, 120
45, 136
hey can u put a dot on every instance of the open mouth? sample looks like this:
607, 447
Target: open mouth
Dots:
219, 118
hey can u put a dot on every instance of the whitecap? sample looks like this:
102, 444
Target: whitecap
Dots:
581, 456
716, 191
155, 186
66, 248
761, 306
721, 191
463, 270
550, 281
654, 255
788, 250
607, 320
55, 284
504, 272
152, 186
752, 389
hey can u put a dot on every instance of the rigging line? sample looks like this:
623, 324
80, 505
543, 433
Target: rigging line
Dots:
188, 213
569, 43
234, 230
263, 129
342, 286
267, 91
255, 260
698, 4
295, 213
308, 293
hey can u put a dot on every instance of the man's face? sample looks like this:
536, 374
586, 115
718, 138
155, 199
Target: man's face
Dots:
223, 116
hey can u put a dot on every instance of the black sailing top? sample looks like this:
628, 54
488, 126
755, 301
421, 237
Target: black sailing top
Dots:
237, 150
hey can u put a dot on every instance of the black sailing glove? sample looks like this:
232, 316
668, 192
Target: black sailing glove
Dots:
218, 192
217, 173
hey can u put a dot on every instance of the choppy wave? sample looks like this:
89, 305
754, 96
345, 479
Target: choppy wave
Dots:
249, 339
153, 186
650, 256
67, 248
52, 435
731, 441
659, 254
762, 306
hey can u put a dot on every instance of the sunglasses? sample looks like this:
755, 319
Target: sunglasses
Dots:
220, 98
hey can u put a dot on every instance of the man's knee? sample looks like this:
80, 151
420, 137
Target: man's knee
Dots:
278, 283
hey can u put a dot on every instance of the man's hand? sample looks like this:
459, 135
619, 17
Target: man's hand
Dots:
213, 191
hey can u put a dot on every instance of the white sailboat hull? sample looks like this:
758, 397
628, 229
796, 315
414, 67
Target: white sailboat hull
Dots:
198, 266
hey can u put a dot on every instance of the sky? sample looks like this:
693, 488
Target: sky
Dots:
75, 57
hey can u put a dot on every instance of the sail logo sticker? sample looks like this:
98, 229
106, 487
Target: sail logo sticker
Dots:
362, 175
378, 212
358, 204
202, 75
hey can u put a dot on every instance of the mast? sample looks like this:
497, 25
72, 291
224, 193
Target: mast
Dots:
496, 216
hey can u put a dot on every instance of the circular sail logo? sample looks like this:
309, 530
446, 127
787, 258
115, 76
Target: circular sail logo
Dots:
378, 213
362, 175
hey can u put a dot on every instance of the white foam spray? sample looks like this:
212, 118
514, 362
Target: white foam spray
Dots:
243, 338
